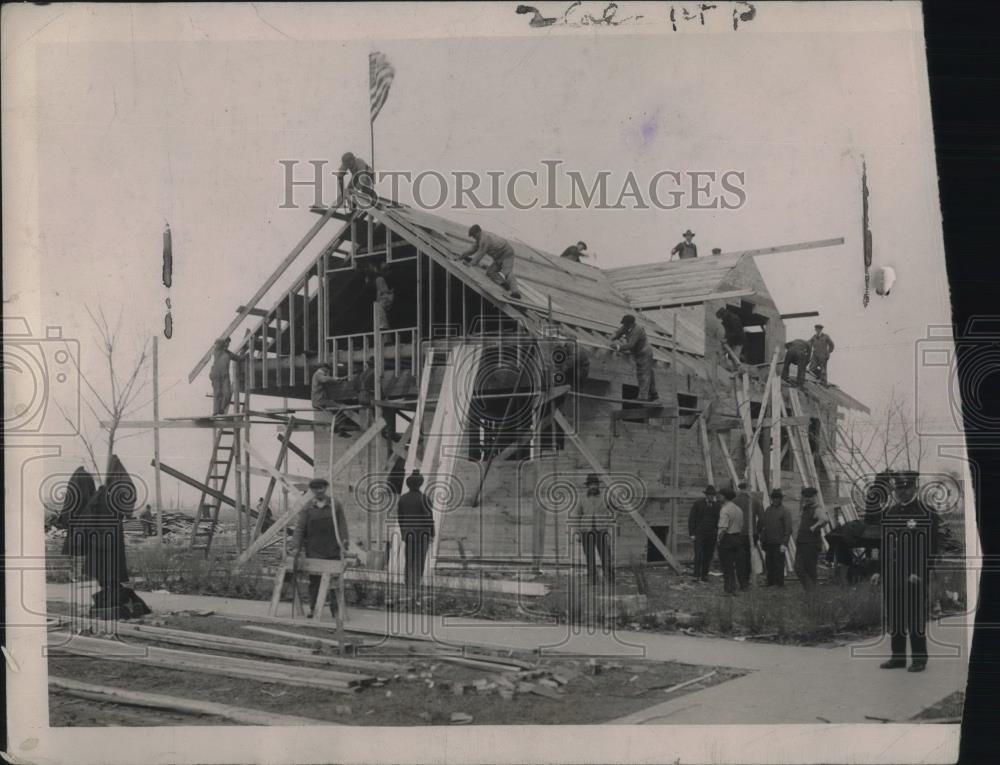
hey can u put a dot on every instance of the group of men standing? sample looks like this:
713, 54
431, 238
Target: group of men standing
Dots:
725, 525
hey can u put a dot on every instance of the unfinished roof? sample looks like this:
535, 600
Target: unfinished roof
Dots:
584, 300
671, 282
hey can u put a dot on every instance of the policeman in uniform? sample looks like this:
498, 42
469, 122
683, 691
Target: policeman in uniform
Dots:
909, 544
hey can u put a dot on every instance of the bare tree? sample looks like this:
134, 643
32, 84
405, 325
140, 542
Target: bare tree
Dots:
123, 389
888, 440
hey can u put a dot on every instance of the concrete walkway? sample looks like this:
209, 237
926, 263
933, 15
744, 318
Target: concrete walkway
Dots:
787, 684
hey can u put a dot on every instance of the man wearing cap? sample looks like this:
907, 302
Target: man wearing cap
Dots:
575, 252
730, 529
910, 532
416, 523
362, 177
501, 268
822, 347
686, 249
321, 532
631, 337
222, 386
774, 531
734, 335
752, 510
703, 525
809, 538
593, 523
797, 352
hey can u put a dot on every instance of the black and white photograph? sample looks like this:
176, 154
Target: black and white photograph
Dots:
460, 380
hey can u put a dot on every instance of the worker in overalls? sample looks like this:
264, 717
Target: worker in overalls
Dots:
321, 532
632, 338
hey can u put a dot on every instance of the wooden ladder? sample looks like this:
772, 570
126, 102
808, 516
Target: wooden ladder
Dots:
219, 468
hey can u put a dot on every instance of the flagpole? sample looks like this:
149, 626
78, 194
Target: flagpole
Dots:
371, 128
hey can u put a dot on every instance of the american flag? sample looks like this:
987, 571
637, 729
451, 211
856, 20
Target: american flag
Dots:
380, 75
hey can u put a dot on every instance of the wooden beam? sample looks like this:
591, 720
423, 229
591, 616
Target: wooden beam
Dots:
203, 664
695, 300
262, 290
301, 482
297, 450
174, 473
800, 315
633, 513
272, 533
107, 695
252, 311
791, 247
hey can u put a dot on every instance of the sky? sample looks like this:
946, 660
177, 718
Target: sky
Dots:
140, 115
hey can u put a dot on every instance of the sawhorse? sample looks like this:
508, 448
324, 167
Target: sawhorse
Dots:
328, 570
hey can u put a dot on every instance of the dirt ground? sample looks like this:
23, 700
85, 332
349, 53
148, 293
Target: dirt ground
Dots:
420, 692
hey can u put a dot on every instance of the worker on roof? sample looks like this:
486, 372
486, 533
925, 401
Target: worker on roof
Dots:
362, 185
633, 339
716, 250
575, 252
822, 347
222, 386
732, 342
686, 249
797, 352
501, 269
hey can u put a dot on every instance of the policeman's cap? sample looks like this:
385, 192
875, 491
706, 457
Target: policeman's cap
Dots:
710, 489
809, 491
777, 494
318, 483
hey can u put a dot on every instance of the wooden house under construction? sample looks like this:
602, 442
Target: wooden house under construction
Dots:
471, 387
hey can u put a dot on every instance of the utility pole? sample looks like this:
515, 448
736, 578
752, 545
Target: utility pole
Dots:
156, 436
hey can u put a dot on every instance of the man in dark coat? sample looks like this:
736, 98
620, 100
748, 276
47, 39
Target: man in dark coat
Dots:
774, 531
910, 532
703, 527
416, 523
732, 326
809, 538
797, 352
321, 532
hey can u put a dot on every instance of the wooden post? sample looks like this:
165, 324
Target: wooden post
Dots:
237, 461
156, 437
775, 430
675, 428
246, 528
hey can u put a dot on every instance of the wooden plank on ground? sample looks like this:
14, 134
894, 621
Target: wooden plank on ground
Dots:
633, 513
227, 666
107, 694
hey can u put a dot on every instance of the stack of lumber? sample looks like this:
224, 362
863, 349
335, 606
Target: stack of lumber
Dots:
213, 664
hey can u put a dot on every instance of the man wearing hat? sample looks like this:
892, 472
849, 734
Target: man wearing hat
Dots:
822, 347
593, 523
631, 337
321, 532
809, 539
416, 523
703, 525
222, 387
687, 248
774, 531
909, 545
501, 268
575, 252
